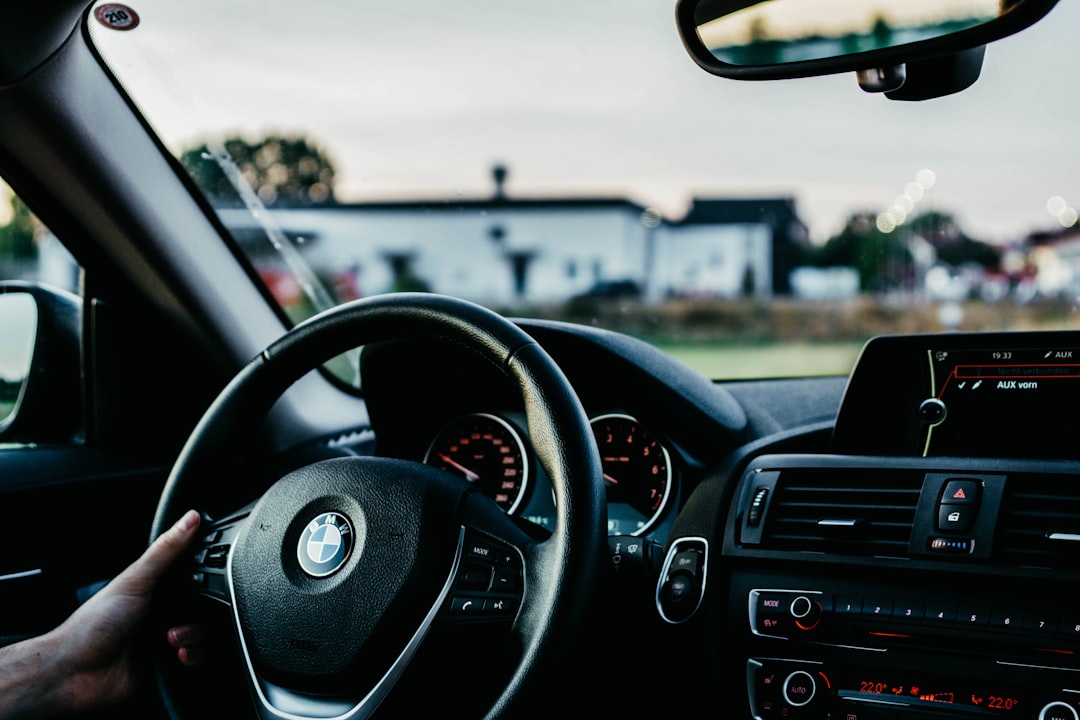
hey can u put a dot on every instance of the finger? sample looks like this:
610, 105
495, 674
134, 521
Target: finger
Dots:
192, 656
185, 635
141, 575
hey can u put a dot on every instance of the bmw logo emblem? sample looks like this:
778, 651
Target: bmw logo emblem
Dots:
325, 544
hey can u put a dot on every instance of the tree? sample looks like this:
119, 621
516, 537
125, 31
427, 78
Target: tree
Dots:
18, 239
880, 258
953, 245
281, 170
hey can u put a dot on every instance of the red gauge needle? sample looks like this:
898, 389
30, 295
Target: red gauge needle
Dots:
610, 479
450, 461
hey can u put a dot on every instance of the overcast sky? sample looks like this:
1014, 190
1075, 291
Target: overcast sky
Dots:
418, 99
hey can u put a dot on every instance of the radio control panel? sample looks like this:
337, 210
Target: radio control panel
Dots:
871, 649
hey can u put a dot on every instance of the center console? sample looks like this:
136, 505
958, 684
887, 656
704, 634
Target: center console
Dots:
930, 566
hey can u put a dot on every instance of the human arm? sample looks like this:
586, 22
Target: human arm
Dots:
88, 661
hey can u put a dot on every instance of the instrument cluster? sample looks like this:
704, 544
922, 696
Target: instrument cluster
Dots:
492, 452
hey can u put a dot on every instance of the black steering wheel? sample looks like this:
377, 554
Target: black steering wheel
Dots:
336, 574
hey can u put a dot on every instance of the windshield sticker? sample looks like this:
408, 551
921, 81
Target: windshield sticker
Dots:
117, 17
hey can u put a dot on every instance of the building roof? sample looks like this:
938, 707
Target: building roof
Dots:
774, 211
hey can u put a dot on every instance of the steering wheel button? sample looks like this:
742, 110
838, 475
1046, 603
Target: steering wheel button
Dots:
466, 605
482, 551
475, 578
216, 556
504, 581
500, 606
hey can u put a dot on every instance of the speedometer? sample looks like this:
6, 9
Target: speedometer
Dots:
637, 474
488, 452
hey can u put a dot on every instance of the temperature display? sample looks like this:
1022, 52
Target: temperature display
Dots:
927, 691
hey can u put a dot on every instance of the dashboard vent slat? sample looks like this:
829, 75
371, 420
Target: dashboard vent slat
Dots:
1040, 515
843, 511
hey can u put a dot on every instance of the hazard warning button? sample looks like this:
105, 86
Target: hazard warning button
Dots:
960, 492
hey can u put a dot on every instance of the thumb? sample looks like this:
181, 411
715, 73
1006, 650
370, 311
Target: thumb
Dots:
143, 574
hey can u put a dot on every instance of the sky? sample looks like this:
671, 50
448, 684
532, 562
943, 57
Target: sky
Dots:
419, 99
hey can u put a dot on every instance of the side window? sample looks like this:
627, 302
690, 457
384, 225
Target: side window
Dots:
29, 252
38, 321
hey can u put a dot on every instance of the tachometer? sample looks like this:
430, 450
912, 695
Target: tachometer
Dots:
488, 452
637, 473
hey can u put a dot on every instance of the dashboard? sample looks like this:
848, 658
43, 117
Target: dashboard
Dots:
904, 543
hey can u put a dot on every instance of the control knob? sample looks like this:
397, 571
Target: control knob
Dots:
805, 612
1058, 711
800, 688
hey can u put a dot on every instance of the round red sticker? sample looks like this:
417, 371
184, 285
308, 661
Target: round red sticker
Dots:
116, 17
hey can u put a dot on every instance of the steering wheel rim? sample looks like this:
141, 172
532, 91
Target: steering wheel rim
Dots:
558, 570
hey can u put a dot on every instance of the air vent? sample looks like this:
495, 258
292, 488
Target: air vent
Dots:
1039, 522
843, 511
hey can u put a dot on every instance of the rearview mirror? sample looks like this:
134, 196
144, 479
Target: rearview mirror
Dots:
776, 39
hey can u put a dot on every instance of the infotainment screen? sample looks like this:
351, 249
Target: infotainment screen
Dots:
982, 395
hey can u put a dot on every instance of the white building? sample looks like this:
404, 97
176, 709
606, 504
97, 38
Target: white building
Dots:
507, 250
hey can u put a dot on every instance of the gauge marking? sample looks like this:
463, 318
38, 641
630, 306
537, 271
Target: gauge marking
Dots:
488, 452
637, 473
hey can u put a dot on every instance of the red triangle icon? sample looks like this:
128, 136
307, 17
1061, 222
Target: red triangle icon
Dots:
959, 495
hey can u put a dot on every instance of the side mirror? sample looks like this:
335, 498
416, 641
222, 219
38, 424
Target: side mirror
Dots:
40, 386
878, 39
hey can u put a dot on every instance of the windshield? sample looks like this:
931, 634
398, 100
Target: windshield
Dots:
567, 160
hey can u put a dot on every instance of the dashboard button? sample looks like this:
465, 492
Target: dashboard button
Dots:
846, 605
939, 614
878, 607
960, 492
1040, 624
909, 610
973, 617
799, 688
955, 518
771, 602
1007, 619
1070, 628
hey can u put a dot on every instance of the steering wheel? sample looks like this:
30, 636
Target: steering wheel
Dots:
335, 575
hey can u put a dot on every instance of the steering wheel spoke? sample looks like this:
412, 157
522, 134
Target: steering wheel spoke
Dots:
489, 582
211, 555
